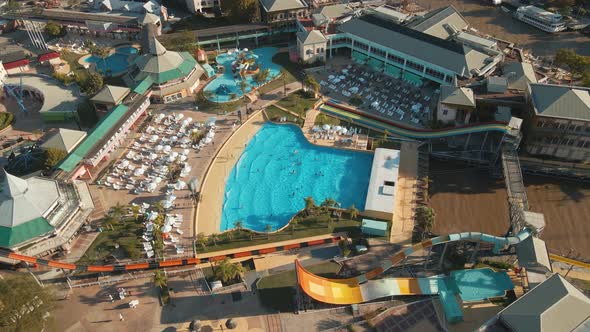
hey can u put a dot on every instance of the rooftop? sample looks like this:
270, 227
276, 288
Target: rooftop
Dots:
56, 97
64, 139
111, 94
311, 37
382, 183
561, 101
437, 22
457, 96
519, 74
24, 204
281, 5
554, 305
335, 11
452, 56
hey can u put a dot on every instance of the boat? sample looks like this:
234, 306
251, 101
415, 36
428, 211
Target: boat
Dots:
540, 18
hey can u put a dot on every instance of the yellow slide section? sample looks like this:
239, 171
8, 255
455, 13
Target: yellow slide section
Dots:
569, 261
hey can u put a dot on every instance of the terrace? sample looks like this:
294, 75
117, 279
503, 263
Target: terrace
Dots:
402, 100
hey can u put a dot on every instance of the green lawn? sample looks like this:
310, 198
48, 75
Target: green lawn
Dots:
127, 234
306, 227
274, 113
293, 72
297, 102
323, 119
72, 59
5, 119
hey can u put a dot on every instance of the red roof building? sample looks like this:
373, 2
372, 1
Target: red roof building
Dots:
48, 56
16, 64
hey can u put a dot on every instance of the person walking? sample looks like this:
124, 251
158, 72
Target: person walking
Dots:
121, 317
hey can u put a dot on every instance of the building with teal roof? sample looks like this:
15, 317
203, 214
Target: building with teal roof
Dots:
167, 75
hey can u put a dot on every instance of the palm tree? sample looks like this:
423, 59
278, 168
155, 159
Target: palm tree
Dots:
293, 225
208, 94
321, 118
425, 218
268, 229
214, 238
243, 87
284, 74
100, 52
202, 240
309, 205
118, 210
159, 207
228, 271
238, 225
135, 210
353, 212
328, 203
110, 221
311, 83
160, 279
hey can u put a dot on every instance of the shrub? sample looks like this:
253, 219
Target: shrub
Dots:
498, 265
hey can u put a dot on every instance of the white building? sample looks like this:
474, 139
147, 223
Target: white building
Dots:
197, 6
311, 46
455, 104
380, 201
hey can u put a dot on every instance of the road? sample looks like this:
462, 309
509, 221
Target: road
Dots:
495, 22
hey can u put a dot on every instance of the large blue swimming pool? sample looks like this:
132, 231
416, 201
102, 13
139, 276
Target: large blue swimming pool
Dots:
115, 63
232, 86
279, 167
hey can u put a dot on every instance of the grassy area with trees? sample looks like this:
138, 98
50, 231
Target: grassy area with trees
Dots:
312, 221
24, 304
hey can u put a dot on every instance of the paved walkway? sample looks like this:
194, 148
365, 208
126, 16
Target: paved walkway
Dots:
405, 196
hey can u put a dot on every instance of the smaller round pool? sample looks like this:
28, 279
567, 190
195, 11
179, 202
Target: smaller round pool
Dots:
481, 284
115, 63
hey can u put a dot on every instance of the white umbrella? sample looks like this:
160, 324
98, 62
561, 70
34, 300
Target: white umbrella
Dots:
166, 228
174, 154
245, 49
154, 138
167, 148
179, 117
337, 128
182, 158
343, 130
211, 134
189, 119
180, 185
153, 156
315, 129
110, 179
173, 138
186, 168
171, 159
159, 147
185, 152
171, 198
185, 140
139, 172
326, 127
207, 140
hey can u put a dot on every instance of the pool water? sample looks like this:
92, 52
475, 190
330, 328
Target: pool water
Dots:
264, 55
117, 62
279, 168
481, 284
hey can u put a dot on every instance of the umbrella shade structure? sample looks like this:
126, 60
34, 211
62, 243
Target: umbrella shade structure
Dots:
173, 138
166, 228
337, 128
211, 134
231, 324
153, 156
174, 154
344, 130
157, 179
171, 159
159, 147
171, 198
139, 171
179, 117
167, 148
182, 158
180, 185
186, 152
154, 138
207, 140
326, 127
185, 140
110, 179
195, 325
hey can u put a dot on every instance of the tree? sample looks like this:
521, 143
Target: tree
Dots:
53, 156
12, 6
346, 252
87, 114
284, 74
160, 279
309, 205
135, 211
311, 83
24, 304
228, 271
214, 238
202, 240
118, 210
73, 3
53, 29
577, 64
321, 118
353, 212
92, 84
243, 87
425, 218
267, 230
238, 225
241, 11
110, 221
159, 207
328, 203
293, 225
208, 94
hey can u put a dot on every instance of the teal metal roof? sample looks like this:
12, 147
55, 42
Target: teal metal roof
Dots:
181, 71
143, 85
97, 134
11, 236
208, 70
374, 224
